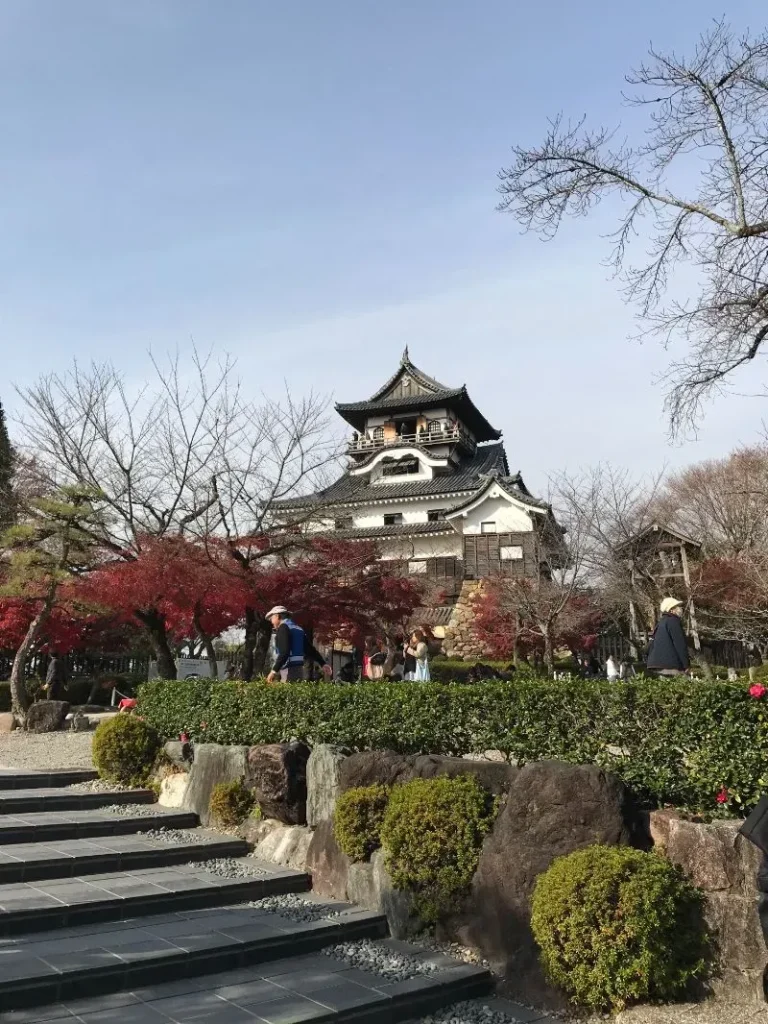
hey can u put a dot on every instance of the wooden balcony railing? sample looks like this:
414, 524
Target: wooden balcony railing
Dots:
448, 435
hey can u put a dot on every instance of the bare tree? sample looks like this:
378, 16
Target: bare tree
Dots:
708, 117
187, 454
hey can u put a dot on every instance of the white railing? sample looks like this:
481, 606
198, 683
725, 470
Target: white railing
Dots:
446, 435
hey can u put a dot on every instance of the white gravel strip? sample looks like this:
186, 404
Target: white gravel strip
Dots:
453, 949
134, 810
295, 908
228, 867
378, 959
469, 1013
53, 751
176, 836
97, 786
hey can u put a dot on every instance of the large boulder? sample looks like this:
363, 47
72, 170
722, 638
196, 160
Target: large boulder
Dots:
370, 886
388, 768
287, 845
46, 716
323, 782
7, 721
277, 774
327, 864
212, 764
552, 809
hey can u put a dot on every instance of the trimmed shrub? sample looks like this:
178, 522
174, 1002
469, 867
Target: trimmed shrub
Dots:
618, 926
432, 833
358, 819
705, 738
125, 750
231, 803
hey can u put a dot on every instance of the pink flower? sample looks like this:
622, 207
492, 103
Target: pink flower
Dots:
722, 796
757, 690
183, 737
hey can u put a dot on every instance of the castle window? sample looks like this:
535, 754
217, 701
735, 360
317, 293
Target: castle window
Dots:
399, 467
487, 527
343, 523
393, 519
434, 515
377, 433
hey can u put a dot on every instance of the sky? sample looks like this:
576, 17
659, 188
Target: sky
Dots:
310, 186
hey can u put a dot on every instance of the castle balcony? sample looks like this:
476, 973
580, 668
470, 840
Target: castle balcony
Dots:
434, 434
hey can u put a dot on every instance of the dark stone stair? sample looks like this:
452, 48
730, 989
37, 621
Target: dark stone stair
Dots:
45, 827
10, 779
30, 801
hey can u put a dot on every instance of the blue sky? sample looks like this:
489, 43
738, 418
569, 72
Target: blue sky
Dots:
310, 186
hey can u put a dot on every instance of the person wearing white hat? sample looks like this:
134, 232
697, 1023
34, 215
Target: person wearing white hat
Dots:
668, 652
289, 647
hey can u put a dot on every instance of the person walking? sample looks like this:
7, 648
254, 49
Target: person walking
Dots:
56, 677
289, 647
419, 651
668, 651
611, 669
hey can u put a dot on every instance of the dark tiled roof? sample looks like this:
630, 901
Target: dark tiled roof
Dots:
400, 530
407, 366
431, 616
403, 402
514, 487
469, 475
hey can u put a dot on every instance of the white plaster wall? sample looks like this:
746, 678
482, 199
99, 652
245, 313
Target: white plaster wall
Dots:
508, 518
422, 547
412, 511
379, 421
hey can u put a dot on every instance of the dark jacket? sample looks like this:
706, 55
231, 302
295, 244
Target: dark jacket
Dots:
56, 678
292, 646
669, 648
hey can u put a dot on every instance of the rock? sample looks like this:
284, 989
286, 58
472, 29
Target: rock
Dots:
397, 905
173, 789
388, 768
741, 947
7, 722
79, 722
361, 887
323, 786
46, 716
660, 825
552, 809
287, 845
179, 753
327, 864
212, 764
706, 853
277, 774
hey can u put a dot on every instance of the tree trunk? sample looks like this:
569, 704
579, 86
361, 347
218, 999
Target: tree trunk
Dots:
251, 635
264, 632
19, 696
207, 642
549, 654
154, 623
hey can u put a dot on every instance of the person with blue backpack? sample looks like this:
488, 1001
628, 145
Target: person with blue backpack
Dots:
289, 648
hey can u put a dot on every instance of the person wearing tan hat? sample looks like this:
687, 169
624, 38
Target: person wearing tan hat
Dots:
289, 648
668, 652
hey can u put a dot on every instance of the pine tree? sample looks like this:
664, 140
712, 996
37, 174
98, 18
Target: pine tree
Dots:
7, 466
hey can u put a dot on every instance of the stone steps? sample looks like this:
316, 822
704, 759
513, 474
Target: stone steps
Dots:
45, 827
30, 801
10, 779
74, 858
284, 991
115, 896
61, 964
101, 922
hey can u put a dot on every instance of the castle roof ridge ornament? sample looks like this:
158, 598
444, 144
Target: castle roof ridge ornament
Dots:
405, 358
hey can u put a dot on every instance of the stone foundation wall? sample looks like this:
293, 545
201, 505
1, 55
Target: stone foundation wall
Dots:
461, 641
724, 865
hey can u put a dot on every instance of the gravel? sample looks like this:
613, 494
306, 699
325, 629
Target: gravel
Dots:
454, 949
97, 786
133, 810
229, 867
469, 1013
295, 908
175, 836
54, 750
381, 960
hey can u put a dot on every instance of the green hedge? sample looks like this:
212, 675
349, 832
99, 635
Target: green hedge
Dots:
672, 741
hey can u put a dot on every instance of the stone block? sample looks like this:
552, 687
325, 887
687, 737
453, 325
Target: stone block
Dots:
387, 768
287, 845
394, 903
46, 716
323, 785
361, 886
552, 809
327, 864
277, 774
212, 764
173, 790
178, 753
706, 853
659, 825
7, 722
